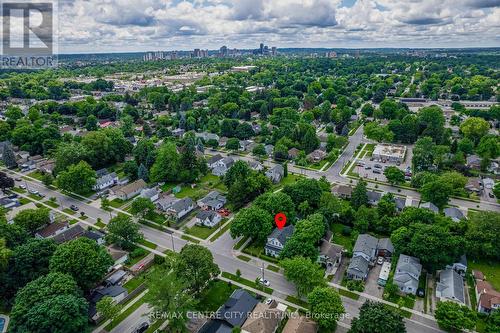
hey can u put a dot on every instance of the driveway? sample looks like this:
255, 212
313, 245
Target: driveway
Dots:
371, 285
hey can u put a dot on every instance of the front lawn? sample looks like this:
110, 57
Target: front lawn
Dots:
148, 244
69, 211
200, 231
116, 203
214, 295
247, 283
36, 175
491, 271
125, 314
290, 179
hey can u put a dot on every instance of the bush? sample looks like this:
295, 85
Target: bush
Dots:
355, 285
138, 252
159, 260
346, 230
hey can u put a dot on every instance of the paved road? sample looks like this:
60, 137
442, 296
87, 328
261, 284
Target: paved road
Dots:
223, 256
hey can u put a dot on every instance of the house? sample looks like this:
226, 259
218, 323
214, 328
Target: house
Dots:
117, 293
212, 201
178, 132
222, 166
69, 234
115, 277
450, 287
246, 145
343, 191
181, 207
52, 229
105, 181
277, 239
8, 203
130, 190
364, 253
255, 165
46, 166
460, 266
373, 197
96, 236
330, 255
407, 274
207, 136
119, 256
223, 141
233, 313
212, 161
385, 248
300, 324
454, 213
473, 162
400, 203
488, 299
208, 218
276, 173
384, 273
474, 185
430, 206
150, 193
316, 156
269, 150
293, 153
265, 318
165, 202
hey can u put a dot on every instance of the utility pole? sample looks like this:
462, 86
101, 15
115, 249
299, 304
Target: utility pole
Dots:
173, 246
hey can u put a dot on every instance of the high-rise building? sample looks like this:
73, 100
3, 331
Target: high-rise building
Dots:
274, 51
197, 53
261, 48
223, 51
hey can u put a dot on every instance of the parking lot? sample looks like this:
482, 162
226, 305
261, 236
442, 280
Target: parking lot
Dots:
371, 285
372, 168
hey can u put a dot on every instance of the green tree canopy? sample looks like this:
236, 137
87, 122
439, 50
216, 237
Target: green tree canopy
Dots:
326, 307
305, 274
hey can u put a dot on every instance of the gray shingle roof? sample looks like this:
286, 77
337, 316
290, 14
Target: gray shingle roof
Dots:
181, 204
360, 264
451, 285
365, 244
283, 234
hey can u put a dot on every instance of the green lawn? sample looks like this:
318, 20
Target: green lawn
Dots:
116, 203
340, 239
491, 270
135, 282
273, 268
318, 166
298, 301
195, 193
254, 249
100, 224
216, 293
34, 196
51, 203
246, 282
148, 244
36, 175
200, 231
69, 211
24, 201
244, 258
190, 239
240, 243
156, 217
349, 294
18, 190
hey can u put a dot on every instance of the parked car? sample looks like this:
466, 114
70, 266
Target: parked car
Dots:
360, 163
264, 282
269, 301
17, 179
34, 192
491, 195
22, 186
74, 208
379, 171
380, 260
368, 167
420, 292
378, 166
141, 328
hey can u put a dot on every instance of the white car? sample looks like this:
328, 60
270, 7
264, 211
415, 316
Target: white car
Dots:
269, 301
264, 282
22, 186
380, 260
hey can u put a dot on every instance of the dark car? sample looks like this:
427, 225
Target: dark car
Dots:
73, 207
420, 292
141, 328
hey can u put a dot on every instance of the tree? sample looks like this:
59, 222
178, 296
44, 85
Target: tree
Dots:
6, 181
305, 274
489, 147
482, 235
91, 123
233, 144
431, 123
394, 175
29, 261
79, 178
386, 206
326, 307
359, 195
305, 190
294, 247
496, 190
5, 254
423, 154
259, 150
47, 179
142, 173
166, 165
141, 207
475, 128
123, 232
8, 156
83, 259
275, 203
376, 317
32, 219
167, 294
196, 265
51, 303
493, 322
466, 146
438, 192
310, 230
107, 308
453, 317
252, 222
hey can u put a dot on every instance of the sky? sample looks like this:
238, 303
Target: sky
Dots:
88, 26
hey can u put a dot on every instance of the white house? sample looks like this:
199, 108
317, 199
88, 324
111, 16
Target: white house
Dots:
222, 166
407, 274
277, 239
208, 218
105, 181
181, 207
212, 201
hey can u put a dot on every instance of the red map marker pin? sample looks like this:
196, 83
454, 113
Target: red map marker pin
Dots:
280, 220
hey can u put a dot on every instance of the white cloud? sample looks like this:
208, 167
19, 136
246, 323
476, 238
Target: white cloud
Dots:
139, 25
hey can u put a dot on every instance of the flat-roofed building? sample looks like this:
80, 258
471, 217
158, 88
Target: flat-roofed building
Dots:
387, 152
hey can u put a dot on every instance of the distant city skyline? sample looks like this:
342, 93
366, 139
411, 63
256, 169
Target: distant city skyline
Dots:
88, 26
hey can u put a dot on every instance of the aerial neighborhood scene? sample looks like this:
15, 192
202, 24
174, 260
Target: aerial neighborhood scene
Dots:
164, 169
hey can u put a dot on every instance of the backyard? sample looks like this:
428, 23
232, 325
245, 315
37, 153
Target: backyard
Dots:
339, 238
491, 271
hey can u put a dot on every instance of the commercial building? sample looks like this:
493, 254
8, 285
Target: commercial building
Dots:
388, 152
